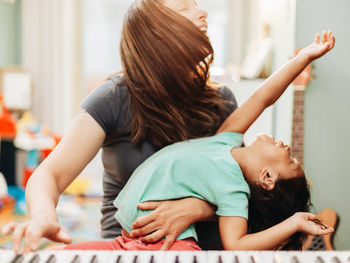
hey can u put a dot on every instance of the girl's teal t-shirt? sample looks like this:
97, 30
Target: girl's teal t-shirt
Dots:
203, 168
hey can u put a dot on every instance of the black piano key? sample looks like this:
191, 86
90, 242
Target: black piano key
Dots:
195, 259
119, 259
135, 260
295, 260
76, 259
335, 259
94, 259
220, 259
51, 259
35, 259
252, 259
236, 259
17, 259
319, 260
152, 259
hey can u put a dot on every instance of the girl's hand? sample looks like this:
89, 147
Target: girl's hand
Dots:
169, 219
32, 231
308, 224
319, 48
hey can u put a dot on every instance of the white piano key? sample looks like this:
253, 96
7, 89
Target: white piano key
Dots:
6, 255
106, 256
281, 257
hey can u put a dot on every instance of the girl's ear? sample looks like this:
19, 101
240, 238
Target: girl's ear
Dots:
267, 179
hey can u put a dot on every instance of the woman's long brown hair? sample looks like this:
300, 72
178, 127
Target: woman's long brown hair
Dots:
166, 61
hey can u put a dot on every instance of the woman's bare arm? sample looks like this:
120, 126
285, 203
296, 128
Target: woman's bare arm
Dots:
51, 178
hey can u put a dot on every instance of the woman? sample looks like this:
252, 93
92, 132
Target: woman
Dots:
162, 96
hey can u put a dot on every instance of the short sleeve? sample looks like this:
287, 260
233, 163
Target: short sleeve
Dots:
234, 204
233, 139
103, 104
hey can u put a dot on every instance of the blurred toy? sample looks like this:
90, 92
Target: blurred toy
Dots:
36, 139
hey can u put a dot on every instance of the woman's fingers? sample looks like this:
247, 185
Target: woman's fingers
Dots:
169, 240
8, 228
62, 237
154, 237
145, 230
32, 238
143, 221
148, 205
18, 235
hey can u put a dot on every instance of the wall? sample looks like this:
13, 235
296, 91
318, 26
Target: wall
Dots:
10, 34
327, 109
280, 15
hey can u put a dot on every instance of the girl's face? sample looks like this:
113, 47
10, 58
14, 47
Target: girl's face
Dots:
190, 10
276, 158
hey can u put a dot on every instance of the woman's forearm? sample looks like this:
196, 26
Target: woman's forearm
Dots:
203, 211
42, 194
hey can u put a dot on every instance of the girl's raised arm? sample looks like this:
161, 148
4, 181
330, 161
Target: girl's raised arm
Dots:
241, 119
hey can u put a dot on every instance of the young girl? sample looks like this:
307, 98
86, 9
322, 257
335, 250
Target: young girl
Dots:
218, 170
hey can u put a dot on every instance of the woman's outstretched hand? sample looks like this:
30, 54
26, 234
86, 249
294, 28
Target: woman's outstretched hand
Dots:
169, 219
308, 223
32, 231
319, 47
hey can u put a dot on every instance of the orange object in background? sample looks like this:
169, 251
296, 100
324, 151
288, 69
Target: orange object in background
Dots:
7, 122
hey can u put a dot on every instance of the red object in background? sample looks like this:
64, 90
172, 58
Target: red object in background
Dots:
27, 173
7, 122
46, 152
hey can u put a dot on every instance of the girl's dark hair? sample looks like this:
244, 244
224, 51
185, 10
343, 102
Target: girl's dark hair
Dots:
270, 207
166, 61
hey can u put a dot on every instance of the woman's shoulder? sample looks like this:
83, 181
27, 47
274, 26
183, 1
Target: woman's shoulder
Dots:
114, 84
226, 91
108, 103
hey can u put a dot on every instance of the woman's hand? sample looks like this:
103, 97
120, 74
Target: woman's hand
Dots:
309, 224
318, 48
169, 219
33, 230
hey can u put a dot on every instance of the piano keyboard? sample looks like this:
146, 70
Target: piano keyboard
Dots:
88, 256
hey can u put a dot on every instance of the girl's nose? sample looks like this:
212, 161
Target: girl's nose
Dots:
288, 148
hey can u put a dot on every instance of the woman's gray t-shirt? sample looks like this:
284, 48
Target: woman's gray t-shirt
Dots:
109, 105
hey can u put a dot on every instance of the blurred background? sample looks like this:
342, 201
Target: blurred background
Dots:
54, 52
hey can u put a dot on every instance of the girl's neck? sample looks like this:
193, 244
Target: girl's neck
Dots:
241, 155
